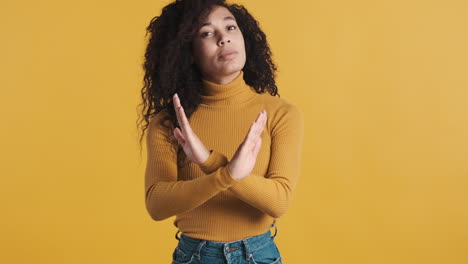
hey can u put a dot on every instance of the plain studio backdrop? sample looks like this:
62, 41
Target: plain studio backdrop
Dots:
383, 86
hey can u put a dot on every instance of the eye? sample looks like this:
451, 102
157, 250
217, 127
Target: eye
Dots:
204, 34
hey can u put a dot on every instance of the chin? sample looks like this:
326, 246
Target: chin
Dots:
233, 67
230, 70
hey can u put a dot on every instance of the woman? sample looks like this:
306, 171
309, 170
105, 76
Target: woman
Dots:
215, 160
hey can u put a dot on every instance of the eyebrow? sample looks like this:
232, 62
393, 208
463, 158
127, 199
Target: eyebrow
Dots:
226, 18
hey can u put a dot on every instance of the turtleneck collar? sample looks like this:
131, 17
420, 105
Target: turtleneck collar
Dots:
232, 93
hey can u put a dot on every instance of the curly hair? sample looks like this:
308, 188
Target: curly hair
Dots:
167, 65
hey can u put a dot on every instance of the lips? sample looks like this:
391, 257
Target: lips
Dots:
227, 52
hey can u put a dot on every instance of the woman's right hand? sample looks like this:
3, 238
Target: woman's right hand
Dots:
194, 149
243, 161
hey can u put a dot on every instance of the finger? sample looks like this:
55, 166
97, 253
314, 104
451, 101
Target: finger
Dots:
250, 132
259, 117
260, 124
265, 118
253, 133
175, 98
176, 101
182, 118
257, 146
185, 125
180, 137
176, 135
263, 122
262, 127
255, 128
255, 125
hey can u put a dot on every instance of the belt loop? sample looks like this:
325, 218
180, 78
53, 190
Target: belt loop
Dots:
276, 231
199, 247
178, 238
248, 254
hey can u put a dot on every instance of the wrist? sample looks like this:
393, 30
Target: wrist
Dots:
230, 172
205, 157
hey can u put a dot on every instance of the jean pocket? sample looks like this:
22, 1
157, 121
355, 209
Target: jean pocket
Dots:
268, 254
182, 256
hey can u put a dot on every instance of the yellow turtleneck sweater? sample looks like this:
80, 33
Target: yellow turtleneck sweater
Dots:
207, 202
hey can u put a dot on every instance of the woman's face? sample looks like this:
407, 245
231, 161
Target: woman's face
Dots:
219, 33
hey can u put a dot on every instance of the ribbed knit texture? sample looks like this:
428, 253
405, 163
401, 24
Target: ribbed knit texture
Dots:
207, 202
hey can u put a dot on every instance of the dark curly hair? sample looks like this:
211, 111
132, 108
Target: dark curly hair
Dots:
167, 65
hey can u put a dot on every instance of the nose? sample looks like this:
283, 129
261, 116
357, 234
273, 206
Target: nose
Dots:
224, 40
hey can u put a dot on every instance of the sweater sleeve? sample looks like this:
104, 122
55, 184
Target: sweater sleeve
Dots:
273, 193
165, 196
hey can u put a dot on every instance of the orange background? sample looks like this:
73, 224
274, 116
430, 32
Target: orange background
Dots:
384, 89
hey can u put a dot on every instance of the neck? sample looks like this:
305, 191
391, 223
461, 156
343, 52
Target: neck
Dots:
231, 93
222, 80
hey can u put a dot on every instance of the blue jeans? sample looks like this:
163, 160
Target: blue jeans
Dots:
259, 249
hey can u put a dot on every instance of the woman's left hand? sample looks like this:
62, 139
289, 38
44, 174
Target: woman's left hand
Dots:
192, 145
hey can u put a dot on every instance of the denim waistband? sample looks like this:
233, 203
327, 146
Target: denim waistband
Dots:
214, 248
